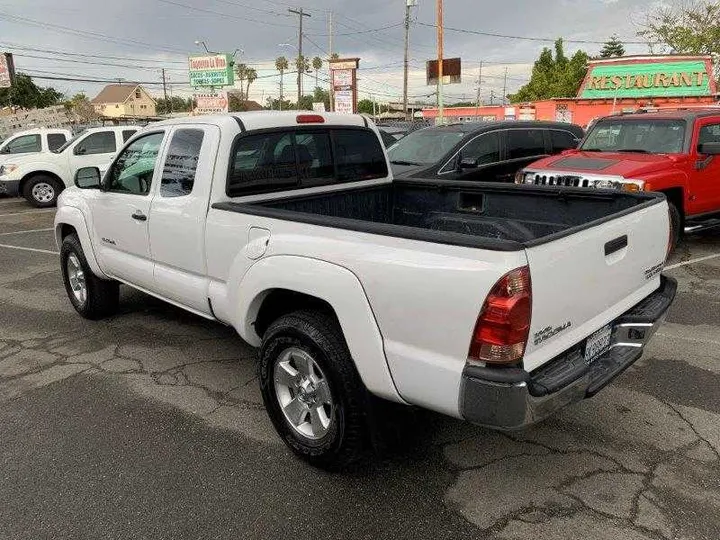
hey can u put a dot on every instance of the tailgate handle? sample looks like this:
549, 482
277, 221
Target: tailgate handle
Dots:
613, 246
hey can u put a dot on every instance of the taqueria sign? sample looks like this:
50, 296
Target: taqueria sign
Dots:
651, 78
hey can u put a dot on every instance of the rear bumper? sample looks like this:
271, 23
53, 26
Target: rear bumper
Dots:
513, 398
11, 188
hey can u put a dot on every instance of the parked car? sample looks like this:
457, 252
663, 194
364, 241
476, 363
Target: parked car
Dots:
32, 142
673, 152
492, 151
496, 304
41, 177
391, 135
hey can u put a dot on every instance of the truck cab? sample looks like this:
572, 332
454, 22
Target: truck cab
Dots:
674, 152
33, 141
41, 177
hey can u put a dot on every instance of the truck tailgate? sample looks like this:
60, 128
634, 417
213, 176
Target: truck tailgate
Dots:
583, 281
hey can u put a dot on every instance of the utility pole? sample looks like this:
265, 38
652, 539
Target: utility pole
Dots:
408, 4
477, 99
492, 97
505, 86
164, 84
441, 111
302, 14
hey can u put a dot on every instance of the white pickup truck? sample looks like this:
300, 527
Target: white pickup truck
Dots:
494, 303
41, 177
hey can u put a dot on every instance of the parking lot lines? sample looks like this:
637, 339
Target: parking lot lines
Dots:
28, 212
26, 232
35, 250
692, 261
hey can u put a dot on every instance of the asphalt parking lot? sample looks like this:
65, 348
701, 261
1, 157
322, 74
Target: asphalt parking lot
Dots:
150, 425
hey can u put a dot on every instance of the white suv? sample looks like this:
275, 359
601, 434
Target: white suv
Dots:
40, 177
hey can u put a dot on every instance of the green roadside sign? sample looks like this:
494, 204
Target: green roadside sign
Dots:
211, 70
651, 79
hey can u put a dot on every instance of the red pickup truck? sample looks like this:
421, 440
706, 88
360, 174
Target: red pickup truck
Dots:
673, 152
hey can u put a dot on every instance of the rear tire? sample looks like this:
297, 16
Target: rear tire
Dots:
332, 398
92, 297
42, 191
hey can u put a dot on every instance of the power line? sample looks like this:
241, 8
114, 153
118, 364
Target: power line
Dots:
226, 15
9, 45
527, 38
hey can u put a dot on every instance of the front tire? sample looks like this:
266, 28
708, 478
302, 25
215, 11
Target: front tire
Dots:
676, 223
92, 297
312, 391
42, 191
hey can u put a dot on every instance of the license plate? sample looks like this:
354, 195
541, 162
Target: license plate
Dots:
598, 343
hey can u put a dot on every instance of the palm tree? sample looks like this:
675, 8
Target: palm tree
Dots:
250, 76
281, 64
317, 64
241, 73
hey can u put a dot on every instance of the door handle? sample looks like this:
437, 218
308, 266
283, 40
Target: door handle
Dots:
613, 246
139, 216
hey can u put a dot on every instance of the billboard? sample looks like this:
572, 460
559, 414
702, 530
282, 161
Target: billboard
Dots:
652, 78
452, 68
211, 102
7, 70
342, 78
213, 70
344, 102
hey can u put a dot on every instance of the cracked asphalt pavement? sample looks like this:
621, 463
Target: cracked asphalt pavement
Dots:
150, 425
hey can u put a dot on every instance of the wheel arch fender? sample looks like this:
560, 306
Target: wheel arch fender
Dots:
43, 169
332, 284
68, 220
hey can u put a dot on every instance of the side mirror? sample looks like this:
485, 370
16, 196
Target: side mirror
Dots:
469, 163
709, 149
88, 178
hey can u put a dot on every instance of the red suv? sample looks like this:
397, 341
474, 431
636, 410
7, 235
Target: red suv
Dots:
673, 152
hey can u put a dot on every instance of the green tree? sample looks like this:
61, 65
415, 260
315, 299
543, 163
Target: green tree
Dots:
302, 63
317, 65
305, 104
275, 105
613, 47
322, 96
241, 72
554, 76
174, 104
365, 106
80, 105
26, 94
690, 27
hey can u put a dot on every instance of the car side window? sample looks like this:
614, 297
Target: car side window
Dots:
524, 143
181, 163
262, 163
562, 140
127, 133
56, 140
24, 145
709, 134
101, 142
485, 149
133, 170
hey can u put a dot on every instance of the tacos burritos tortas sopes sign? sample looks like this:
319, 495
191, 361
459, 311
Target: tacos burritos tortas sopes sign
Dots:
650, 79
214, 70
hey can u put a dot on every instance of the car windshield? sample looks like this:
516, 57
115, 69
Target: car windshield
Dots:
424, 147
71, 141
647, 136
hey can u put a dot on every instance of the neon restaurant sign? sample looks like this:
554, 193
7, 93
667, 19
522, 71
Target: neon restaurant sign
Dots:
650, 79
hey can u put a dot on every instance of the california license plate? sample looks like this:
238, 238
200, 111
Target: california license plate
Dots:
597, 344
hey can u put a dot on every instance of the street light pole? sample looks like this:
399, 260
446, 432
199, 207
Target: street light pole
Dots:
441, 111
408, 5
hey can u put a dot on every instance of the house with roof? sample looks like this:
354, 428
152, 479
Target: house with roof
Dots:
123, 101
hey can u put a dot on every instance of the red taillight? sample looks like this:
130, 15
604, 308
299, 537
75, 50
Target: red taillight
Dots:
310, 119
502, 328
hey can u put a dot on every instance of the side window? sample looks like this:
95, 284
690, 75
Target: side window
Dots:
262, 163
485, 148
709, 134
523, 143
133, 170
127, 133
358, 155
102, 142
314, 157
24, 145
562, 140
56, 140
181, 163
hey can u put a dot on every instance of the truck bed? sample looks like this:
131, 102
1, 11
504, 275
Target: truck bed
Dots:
490, 216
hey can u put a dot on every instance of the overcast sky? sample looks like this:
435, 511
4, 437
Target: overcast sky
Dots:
146, 35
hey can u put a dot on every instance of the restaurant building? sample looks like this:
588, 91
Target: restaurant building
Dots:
612, 86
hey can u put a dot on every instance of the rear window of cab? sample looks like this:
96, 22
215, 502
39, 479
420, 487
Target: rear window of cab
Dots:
289, 159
